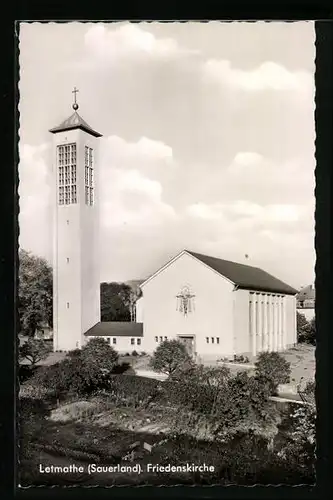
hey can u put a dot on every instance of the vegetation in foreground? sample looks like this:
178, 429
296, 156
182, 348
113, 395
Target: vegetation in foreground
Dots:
204, 415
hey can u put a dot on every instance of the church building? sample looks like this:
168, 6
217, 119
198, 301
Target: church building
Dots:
217, 308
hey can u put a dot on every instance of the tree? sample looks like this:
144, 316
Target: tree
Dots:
307, 332
35, 293
97, 352
271, 367
169, 356
116, 302
34, 350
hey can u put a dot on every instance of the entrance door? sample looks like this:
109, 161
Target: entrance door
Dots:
188, 341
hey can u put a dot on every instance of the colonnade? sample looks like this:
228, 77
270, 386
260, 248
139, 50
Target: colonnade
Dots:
267, 322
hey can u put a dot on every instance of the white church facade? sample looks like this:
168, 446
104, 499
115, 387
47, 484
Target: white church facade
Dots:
217, 308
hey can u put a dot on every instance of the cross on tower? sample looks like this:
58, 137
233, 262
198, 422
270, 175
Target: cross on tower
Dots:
75, 105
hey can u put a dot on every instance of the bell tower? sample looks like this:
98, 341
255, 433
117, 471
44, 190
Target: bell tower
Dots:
76, 280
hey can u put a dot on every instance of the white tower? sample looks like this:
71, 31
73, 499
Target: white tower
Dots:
76, 280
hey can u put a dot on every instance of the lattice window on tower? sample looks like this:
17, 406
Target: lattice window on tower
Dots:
67, 178
88, 176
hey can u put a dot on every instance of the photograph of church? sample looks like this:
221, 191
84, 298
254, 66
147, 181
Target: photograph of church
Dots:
166, 223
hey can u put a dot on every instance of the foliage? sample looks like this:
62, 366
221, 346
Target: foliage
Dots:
34, 351
245, 405
116, 299
169, 356
35, 295
97, 352
132, 390
197, 386
299, 429
306, 330
135, 353
308, 333
273, 368
123, 368
71, 375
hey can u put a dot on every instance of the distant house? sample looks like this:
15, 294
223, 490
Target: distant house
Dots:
306, 301
44, 332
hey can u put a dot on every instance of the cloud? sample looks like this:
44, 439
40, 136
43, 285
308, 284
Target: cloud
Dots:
116, 149
267, 76
129, 40
244, 209
35, 200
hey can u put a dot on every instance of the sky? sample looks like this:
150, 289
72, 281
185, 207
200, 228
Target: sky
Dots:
208, 139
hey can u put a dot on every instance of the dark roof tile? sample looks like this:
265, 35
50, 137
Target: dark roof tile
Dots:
246, 277
73, 122
116, 329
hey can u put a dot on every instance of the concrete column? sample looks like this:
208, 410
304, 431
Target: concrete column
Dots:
266, 339
254, 324
275, 342
269, 324
281, 323
284, 323
259, 323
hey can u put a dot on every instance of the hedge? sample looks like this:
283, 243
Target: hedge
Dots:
132, 389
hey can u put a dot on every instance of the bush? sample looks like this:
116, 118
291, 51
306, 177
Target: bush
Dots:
75, 353
135, 391
134, 353
71, 375
169, 356
99, 353
272, 368
123, 368
244, 404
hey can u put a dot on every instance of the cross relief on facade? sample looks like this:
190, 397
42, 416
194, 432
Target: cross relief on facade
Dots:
185, 301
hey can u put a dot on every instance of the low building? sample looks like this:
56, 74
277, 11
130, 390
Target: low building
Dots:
306, 301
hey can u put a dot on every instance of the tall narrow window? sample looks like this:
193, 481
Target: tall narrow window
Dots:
88, 176
66, 158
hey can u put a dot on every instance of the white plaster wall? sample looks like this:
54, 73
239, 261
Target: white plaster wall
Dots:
124, 344
75, 231
291, 329
213, 315
242, 341
139, 310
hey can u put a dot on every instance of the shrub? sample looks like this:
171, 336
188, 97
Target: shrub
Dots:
134, 353
244, 404
75, 353
123, 368
169, 356
71, 375
135, 391
99, 353
272, 368
34, 350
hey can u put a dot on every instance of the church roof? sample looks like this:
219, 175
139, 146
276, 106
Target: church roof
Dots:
241, 275
116, 329
245, 277
73, 122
